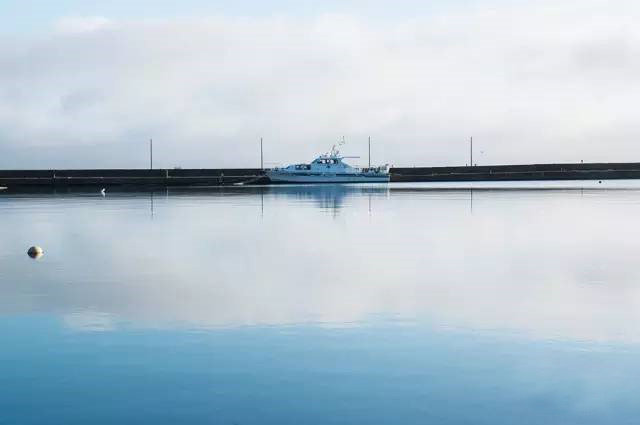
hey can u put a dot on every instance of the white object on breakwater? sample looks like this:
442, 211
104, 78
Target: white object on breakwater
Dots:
103, 191
35, 252
3, 188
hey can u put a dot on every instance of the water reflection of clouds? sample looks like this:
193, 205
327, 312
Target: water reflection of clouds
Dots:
548, 264
90, 321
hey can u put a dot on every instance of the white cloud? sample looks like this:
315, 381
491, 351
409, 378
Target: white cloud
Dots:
533, 82
75, 24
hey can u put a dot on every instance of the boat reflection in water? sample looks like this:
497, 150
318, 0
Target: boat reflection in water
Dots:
326, 196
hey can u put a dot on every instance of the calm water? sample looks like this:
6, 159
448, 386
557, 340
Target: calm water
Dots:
327, 305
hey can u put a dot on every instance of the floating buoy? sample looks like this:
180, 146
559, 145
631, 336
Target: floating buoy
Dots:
35, 252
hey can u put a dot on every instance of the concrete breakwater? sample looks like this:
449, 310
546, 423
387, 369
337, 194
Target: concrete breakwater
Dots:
579, 171
230, 176
131, 177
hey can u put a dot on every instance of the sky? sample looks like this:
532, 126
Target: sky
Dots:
86, 85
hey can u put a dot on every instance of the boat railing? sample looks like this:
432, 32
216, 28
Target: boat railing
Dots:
375, 170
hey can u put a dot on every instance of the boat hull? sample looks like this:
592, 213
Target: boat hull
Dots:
284, 177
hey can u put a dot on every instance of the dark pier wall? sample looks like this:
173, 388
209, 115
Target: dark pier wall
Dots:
130, 177
217, 177
591, 171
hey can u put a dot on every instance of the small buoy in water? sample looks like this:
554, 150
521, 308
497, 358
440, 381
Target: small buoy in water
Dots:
35, 252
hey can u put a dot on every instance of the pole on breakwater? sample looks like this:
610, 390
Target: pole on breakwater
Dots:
261, 156
471, 152
151, 154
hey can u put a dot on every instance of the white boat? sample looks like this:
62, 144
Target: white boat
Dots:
328, 168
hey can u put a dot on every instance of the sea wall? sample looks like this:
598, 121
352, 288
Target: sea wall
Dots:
590, 171
228, 176
130, 177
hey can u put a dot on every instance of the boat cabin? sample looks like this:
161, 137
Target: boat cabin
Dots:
326, 161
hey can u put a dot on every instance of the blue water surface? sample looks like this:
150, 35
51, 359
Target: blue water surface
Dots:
331, 305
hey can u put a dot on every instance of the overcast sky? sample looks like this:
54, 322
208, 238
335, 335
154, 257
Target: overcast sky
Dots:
86, 85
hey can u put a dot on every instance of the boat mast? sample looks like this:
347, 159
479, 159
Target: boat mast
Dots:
369, 151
